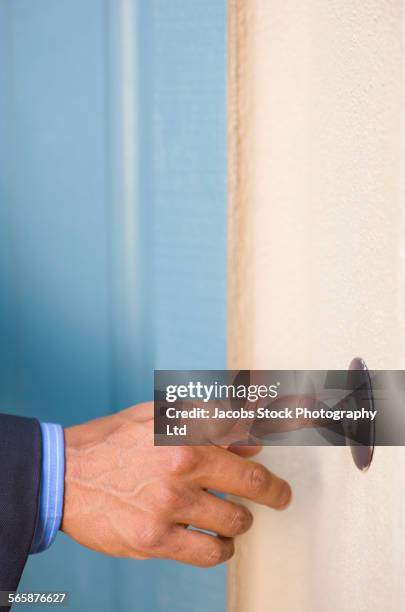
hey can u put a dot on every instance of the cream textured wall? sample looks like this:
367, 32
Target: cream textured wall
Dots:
316, 278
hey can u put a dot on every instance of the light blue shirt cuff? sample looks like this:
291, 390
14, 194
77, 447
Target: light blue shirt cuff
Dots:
52, 487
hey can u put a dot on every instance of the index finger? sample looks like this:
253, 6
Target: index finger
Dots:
226, 472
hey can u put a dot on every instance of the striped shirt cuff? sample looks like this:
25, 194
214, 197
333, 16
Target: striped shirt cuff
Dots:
52, 487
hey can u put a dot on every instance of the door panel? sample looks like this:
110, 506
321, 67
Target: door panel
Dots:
113, 236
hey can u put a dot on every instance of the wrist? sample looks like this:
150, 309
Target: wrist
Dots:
86, 462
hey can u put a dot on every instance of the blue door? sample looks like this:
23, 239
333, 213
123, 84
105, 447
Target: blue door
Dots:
112, 237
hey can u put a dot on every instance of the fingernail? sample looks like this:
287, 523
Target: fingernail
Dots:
285, 496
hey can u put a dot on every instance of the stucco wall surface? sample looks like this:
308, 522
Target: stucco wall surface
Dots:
317, 277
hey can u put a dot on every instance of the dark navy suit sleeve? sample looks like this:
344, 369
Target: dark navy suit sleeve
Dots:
20, 473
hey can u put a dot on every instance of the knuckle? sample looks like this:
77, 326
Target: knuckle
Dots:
214, 556
218, 553
184, 460
259, 480
152, 536
240, 521
170, 498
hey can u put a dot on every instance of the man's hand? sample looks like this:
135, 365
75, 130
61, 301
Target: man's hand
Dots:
128, 498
